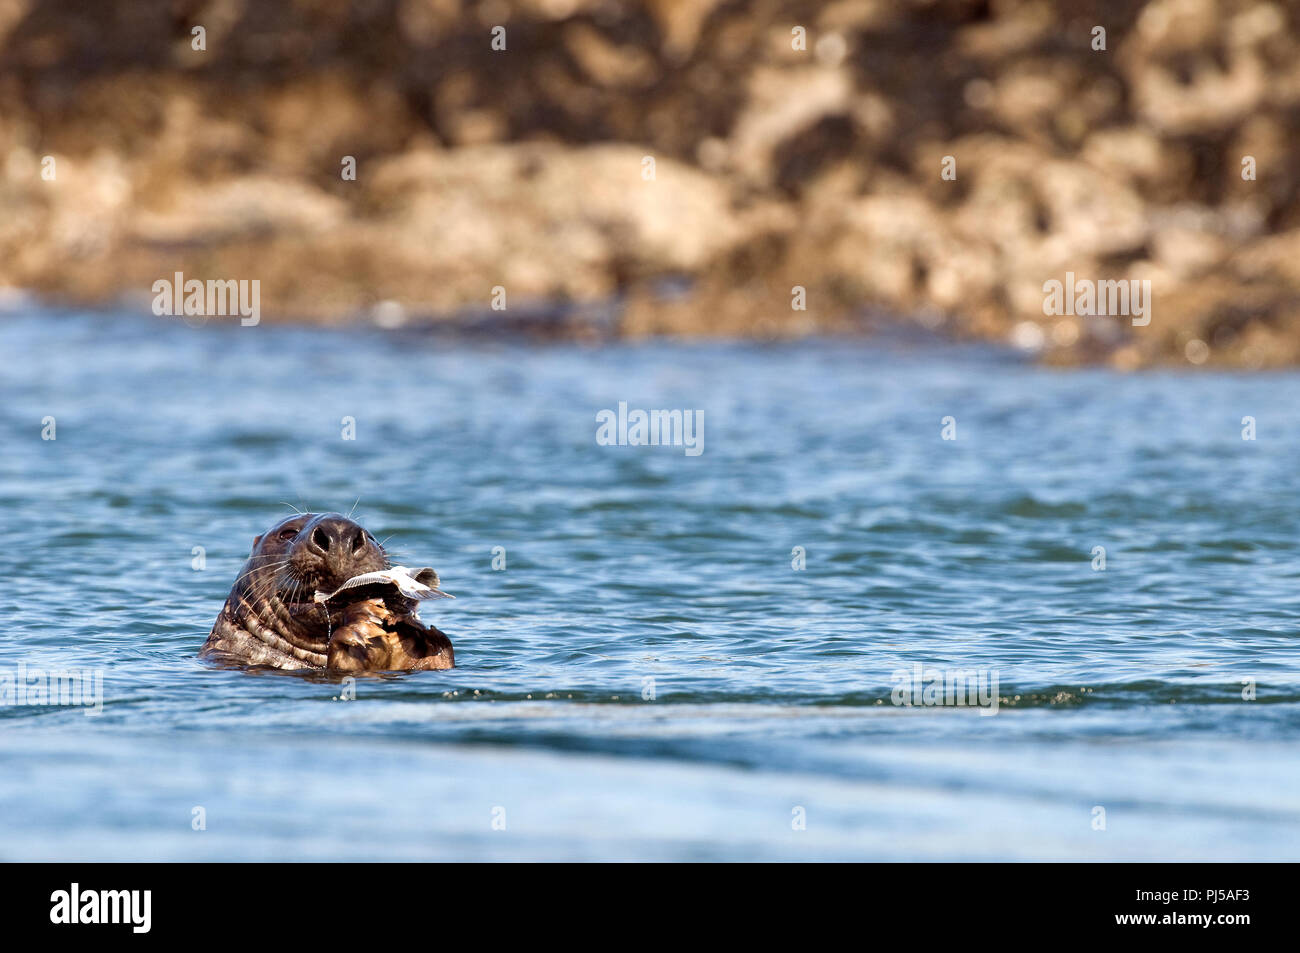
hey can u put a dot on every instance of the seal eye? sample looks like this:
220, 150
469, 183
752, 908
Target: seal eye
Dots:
288, 534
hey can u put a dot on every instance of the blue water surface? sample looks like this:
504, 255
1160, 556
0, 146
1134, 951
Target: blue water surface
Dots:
650, 676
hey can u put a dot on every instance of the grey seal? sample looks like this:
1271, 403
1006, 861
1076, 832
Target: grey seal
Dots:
297, 604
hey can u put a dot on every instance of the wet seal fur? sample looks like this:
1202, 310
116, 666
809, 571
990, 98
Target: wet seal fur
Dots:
272, 619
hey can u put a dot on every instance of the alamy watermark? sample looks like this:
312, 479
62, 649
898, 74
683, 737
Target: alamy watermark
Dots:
926, 687
75, 905
654, 428
39, 687
1088, 298
207, 299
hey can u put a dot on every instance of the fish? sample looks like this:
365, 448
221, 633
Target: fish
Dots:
414, 584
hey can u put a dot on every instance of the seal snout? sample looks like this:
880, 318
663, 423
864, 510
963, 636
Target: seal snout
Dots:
331, 549
336, 534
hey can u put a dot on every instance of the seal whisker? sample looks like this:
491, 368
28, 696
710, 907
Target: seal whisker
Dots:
272, 584
256, 568
288, 581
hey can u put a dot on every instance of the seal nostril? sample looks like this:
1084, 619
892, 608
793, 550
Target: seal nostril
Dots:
320, 539
358, 541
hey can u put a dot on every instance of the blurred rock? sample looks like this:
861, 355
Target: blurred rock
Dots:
689, 163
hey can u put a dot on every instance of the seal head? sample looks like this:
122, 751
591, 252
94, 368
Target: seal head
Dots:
272, 618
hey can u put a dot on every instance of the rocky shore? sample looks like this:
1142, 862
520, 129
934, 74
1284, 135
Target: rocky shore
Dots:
691, 167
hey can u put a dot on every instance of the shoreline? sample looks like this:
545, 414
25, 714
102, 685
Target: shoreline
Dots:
560, 324
721, 170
